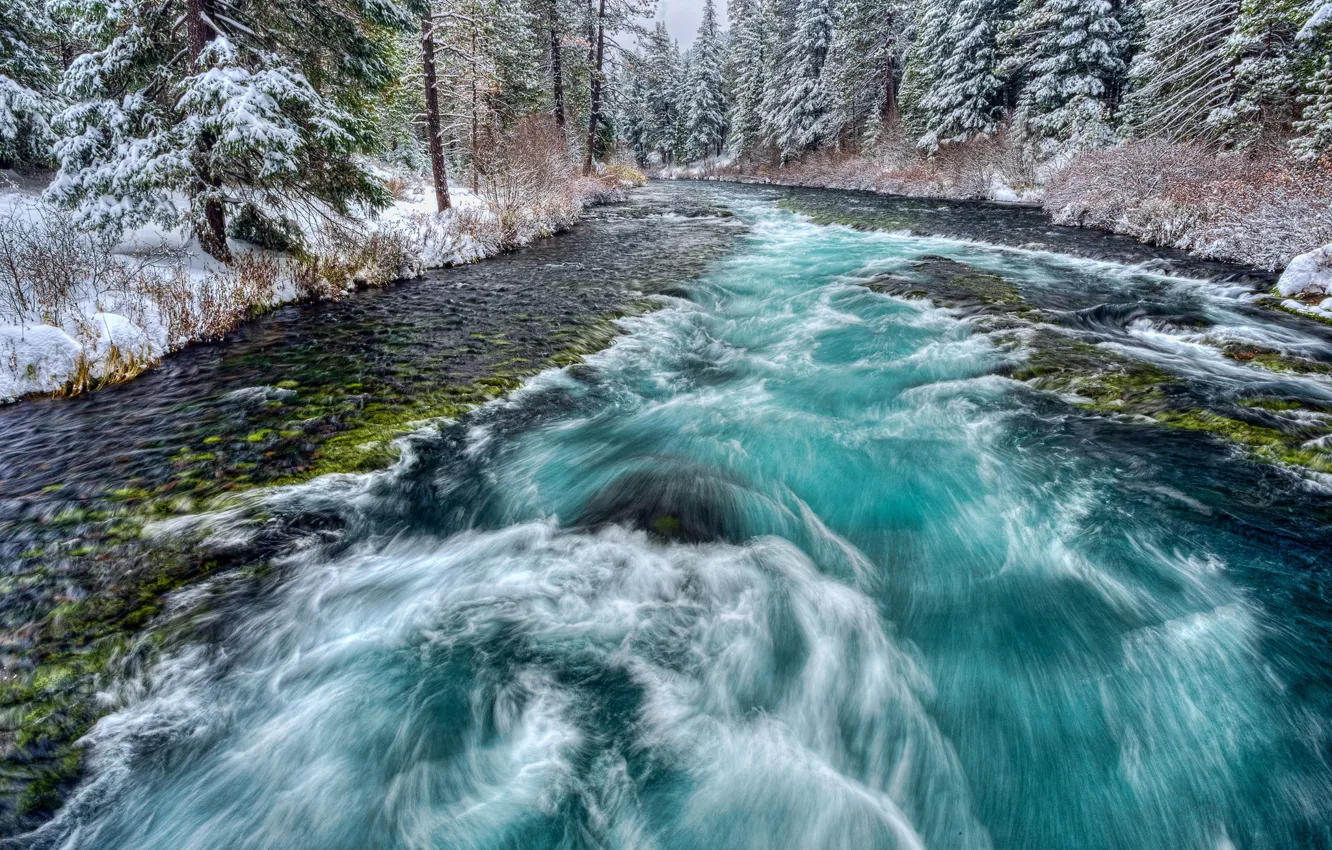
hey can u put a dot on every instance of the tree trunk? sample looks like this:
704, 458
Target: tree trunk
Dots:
891, 111
476, 184
212, 231
556, 64
594, 112
438, 170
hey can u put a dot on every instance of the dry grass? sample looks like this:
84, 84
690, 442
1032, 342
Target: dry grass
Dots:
345, 257
48, 266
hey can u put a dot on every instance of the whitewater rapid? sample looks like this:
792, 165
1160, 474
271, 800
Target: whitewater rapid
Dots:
792, 565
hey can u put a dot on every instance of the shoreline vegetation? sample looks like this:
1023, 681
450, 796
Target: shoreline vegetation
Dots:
1258, 211
82, 311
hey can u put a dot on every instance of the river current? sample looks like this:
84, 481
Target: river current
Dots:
793, 564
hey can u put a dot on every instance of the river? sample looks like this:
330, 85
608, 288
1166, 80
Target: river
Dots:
812, 557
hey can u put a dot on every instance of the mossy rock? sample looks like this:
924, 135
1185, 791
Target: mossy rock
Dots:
1273, 360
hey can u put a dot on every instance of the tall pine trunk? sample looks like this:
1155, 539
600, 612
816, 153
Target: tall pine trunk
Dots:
594, 112
891, 112
438, 169
212, 231
556, 64
476, 182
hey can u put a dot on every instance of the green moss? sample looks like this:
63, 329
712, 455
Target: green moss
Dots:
1279, 404
259, 436
1265, 443
212, 441
1109, 382
666, 526
288, 385
1278, 305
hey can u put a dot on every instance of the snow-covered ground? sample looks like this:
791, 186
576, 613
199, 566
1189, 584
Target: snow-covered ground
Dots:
169, 293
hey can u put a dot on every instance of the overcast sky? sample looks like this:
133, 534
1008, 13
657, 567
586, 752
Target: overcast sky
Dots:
682, 17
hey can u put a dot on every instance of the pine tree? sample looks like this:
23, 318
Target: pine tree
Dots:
663, 77
704, 107
27, 81
1265, 60
1314, 127
1076, 67
745, 62
797, 101
632, 108
262, 103
1181, 74
925, 65
965, 99
869, 42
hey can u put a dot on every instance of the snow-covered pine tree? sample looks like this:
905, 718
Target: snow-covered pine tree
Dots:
194, 107
797, 102
612, 16
966, 98
27, 82
925, 65
1314, 127
1076, 67
745, 62
704, 106
630, 104
869, 44
1265, 59
1181, 73
663, 77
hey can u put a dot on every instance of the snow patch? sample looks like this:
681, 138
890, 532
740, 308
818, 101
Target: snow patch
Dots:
1308, 274
35, 359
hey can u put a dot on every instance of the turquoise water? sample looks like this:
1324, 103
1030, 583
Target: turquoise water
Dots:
792, 565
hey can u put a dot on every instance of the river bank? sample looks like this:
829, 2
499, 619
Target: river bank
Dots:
1256, 208
84, 311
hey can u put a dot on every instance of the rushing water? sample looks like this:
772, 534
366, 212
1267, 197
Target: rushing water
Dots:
791, 565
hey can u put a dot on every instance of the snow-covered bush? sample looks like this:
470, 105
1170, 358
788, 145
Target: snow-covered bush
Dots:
179, 116
1308, 274
48, 267
1259, 208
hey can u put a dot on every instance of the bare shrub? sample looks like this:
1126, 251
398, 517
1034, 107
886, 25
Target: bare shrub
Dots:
48, 266
892, 166
1261, 208
527, 181
624, 175
214, 306
400, 188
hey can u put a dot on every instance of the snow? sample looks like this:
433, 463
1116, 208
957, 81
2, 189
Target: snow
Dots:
100, 331
34, 359
1322, 16
1308, 274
